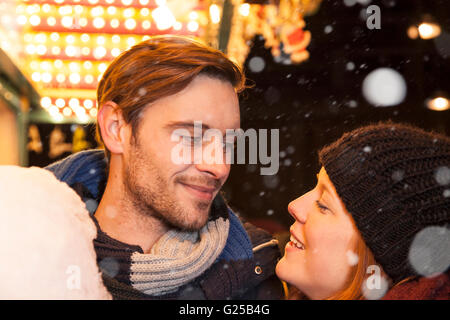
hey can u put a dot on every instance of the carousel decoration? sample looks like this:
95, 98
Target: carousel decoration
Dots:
281, 24
64, 46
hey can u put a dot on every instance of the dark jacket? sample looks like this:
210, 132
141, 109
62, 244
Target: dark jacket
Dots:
244, 270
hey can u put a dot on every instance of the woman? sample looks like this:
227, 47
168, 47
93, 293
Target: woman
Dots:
376, 224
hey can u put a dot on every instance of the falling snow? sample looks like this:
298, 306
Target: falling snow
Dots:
384, 87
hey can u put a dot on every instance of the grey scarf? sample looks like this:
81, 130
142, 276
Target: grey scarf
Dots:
177, 258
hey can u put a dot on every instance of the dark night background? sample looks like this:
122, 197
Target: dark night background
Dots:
315, 102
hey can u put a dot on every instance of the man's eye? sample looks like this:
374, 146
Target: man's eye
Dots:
188, 140
229, 145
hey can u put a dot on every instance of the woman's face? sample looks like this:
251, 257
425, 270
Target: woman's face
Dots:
319, 258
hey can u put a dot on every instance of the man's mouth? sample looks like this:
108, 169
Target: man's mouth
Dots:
199, 191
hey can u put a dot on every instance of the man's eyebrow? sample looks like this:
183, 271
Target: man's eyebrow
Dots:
184, 124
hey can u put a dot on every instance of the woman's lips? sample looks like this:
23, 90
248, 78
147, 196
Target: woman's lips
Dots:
202, 192
295, 244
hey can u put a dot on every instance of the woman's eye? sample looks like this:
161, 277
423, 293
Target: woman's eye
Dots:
321, 207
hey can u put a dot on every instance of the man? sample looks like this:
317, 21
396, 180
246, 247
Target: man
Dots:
164, 231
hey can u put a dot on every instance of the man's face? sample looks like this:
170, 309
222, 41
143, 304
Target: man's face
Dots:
179, 194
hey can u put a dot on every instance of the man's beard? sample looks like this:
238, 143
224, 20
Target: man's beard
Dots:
152, 198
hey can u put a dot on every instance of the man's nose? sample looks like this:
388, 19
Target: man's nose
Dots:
213, 160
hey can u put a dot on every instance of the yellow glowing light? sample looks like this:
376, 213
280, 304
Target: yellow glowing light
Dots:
88, 104
51, 21
87, 65
102, 67
21, 20
128, 13
438, 104
160, 3
177, 25
145, 12
65, 10
54, 36
163, 17
89, 79
193, 15
79, 9
58, 63
74, 66
127, 2
85, 51
111, 10
46, 77
192, 26
429, 30
97, 11
99, 23
143, 2
70, 51
60, 103
56, 50
45, 65
40, 37
83, 22
214, 13
30, 49
46, 102
146, 25
101, 40
85, 37
35, 20
60, 77
244, 9
99, 52
115, 52
67, 21
115, 38
41, 49
130, 24
46, 8
70, 39
93, 112
114, 23
54, 113
67, 112
74, 103
34, 64
131, 41
74, 78
93, 1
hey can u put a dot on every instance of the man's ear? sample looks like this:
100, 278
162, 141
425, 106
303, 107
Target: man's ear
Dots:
113, 127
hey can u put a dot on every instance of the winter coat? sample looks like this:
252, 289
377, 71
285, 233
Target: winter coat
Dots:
244, 270
422, 288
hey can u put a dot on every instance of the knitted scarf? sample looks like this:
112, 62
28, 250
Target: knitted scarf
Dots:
177, 258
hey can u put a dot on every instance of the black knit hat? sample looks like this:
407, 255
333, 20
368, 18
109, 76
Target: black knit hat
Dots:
394, 180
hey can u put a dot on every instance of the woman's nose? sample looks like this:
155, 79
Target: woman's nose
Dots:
299, 207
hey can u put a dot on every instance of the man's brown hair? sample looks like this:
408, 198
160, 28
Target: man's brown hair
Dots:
157, 68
